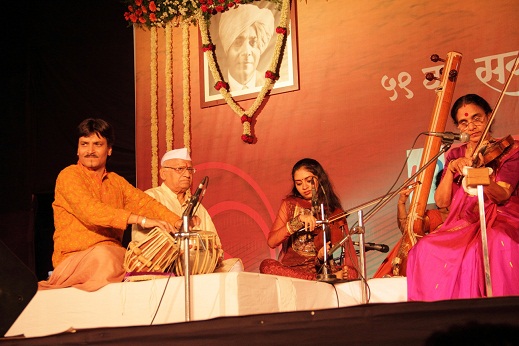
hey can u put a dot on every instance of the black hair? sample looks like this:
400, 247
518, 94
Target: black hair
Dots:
325, 193
467, 100
99, 127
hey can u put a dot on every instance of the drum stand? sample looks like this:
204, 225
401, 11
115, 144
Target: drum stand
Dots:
478, 177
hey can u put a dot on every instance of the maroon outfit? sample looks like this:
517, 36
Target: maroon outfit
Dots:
298, 257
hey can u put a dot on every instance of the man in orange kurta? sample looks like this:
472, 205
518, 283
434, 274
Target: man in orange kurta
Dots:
92, 209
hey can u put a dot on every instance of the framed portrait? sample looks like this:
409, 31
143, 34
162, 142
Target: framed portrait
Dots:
245, 39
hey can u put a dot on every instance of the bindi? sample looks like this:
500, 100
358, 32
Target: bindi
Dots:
466, 114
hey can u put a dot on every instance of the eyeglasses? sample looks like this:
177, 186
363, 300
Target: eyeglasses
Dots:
181, 170
476, 121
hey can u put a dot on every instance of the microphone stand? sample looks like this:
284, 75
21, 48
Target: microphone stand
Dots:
446, 146
185, 236
383, 200
325, 274
362, 256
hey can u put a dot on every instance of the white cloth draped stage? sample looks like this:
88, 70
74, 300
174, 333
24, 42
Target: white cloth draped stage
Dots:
212, 295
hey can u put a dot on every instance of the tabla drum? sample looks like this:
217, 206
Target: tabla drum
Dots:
155, 253
203, 254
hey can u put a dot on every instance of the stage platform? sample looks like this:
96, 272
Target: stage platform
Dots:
255, 309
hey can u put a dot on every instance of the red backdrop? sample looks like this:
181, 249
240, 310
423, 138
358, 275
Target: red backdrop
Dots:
346, 114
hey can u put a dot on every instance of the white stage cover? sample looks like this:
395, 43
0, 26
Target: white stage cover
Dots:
212, 295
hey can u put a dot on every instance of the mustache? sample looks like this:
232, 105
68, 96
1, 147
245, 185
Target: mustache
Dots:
91, 155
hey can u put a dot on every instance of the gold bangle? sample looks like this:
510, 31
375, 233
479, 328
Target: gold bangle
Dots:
143, 221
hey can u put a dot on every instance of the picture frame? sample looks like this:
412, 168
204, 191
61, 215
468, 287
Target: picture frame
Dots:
288, 70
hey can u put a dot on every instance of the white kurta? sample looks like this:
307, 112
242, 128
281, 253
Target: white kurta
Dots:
164, 195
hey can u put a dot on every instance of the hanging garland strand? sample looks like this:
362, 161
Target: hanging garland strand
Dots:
154, 109
270, 76
185, 85
169, 86
153, 14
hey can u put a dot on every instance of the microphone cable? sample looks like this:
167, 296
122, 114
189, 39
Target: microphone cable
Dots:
379, 203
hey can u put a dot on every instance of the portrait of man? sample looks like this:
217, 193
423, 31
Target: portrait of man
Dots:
245, 39
245, 33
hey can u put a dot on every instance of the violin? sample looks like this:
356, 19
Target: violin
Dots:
494, 150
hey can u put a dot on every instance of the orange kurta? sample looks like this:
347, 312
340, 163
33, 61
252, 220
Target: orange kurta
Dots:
89, 211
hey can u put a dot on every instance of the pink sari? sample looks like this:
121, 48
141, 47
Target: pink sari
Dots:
448, 263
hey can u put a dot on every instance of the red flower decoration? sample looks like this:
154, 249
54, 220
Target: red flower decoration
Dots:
281, 30
247, 139
219, 8
207, 47
271, 75
152, 6
245, 119
221, 84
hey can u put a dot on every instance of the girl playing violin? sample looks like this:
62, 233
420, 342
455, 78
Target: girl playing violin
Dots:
296, 228
448, 263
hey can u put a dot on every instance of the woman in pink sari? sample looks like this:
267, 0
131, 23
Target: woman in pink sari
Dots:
448, 263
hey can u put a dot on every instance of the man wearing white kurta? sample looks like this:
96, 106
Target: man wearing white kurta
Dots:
175, 191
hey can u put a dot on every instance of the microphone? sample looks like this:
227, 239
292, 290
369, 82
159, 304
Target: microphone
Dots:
315, 202
373, 246
193, 201
196, 196
451, 136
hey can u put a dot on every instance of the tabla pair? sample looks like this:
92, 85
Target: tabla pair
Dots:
159, 252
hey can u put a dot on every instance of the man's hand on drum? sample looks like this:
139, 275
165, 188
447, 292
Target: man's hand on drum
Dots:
149, 223
152, 223
193, 222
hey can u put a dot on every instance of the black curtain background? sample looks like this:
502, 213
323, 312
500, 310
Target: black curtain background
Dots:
64, 61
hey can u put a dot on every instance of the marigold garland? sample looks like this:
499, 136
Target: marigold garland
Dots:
154, 107
169, 13
185, 86
169, 87
223, 87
